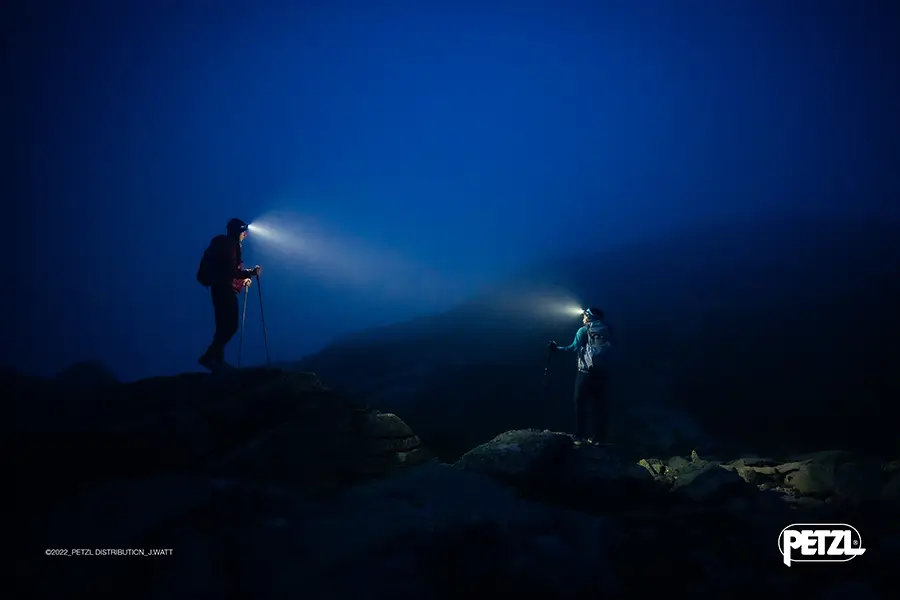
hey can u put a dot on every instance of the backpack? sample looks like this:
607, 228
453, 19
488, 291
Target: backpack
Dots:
204, 275
207, 268
597, 347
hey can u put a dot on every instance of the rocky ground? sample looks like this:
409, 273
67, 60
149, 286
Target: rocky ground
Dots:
264, 484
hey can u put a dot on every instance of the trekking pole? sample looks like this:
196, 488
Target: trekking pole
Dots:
243, 320
262, 317
547, 366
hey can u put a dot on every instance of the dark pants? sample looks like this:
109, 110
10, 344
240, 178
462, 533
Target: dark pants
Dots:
591, 409
225, 307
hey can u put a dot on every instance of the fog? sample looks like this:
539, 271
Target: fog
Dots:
396, 159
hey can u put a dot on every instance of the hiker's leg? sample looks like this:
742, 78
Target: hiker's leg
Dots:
581, 404
599, 405
225, 304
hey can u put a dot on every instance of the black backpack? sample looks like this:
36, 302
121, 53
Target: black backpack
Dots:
206, 270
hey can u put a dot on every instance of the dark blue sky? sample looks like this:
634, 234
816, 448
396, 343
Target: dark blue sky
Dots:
465, 139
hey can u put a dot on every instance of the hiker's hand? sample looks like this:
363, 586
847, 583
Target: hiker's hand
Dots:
247, 282
552, 345
257, 270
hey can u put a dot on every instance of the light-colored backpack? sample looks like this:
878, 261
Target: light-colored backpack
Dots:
597, 347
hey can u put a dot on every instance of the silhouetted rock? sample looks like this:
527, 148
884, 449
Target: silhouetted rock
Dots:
254, 423
550, 467
262, 483
89, 373
717, 520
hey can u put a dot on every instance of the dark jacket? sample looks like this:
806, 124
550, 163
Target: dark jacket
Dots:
225, 267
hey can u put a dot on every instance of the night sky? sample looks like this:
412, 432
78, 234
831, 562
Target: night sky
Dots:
407, 153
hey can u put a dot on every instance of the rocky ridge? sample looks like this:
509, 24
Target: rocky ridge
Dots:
264, 483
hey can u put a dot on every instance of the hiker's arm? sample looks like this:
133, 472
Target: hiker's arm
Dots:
578, 342
243, 273
227, 256
237, 272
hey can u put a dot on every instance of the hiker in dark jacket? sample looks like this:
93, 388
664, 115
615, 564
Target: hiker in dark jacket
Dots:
222, 270
591, 346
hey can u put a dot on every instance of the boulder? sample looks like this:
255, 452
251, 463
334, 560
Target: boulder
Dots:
835, 474
698, 479
550, 467
519, 455
335, 447
711, 481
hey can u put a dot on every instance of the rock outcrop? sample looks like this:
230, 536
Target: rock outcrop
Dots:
88, 373
258, 424
262, 483
710, 525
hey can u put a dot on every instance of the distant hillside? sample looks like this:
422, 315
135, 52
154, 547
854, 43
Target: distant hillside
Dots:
781, 334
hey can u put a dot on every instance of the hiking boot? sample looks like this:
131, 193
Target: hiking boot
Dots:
210, 363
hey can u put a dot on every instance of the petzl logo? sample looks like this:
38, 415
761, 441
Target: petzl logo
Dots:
819, 542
